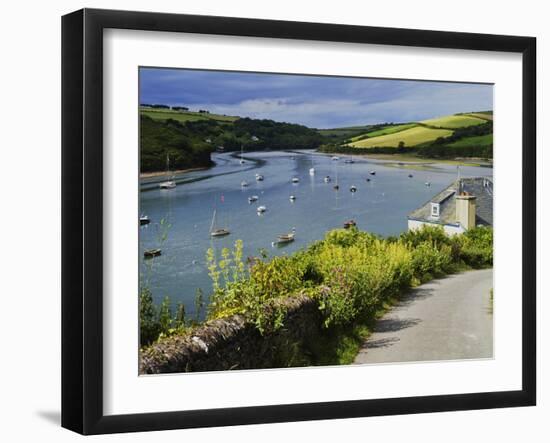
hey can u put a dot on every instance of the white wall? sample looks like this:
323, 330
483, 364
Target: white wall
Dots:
30, 219
449, 230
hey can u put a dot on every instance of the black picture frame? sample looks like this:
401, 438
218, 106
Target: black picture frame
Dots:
82, 217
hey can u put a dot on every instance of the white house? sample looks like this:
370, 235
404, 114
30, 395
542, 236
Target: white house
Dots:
464, 204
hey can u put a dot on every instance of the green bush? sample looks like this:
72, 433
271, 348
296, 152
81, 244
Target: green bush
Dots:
350, 273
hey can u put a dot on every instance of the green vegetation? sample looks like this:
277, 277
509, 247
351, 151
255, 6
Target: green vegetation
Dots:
189, 138
474, 141
354, 276
183, 143
341, 134
184, 116
461, 135
386, 130
453, 121
408, 137
488, 115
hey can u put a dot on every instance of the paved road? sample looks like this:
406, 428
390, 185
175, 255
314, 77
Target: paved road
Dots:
444, 319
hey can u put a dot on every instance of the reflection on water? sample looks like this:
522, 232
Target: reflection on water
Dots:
380, 205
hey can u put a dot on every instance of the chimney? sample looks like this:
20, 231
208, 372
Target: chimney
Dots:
466, 210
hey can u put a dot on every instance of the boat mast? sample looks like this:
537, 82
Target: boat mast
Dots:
213, 221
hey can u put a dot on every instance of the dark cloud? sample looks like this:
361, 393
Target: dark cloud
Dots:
316, 101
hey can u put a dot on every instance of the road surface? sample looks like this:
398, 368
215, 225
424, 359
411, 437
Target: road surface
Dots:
445, 319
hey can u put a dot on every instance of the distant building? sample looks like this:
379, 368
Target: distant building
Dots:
464, 204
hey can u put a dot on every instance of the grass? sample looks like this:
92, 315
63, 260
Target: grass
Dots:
411, 137
340, 346
482, 115
184, 116
454, 121
344, 132
475, 141
385, 131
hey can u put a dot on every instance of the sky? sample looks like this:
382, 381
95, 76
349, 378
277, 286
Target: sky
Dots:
314, 101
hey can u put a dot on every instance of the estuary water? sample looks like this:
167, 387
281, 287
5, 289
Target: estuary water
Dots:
181, 217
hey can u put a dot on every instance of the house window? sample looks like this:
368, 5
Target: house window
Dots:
435, 210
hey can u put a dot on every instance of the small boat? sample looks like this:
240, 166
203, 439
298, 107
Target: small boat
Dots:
217, 232
261, 209
292, 198
410, 176
352, 188
244, 184
335, 158
349, 160
285, 238
295, 180
372, 172
368, 179
252, 199
349, 224
336, 187
311, 171
144, 220
259, 177
327, 179
170, 183
221, 232
427, 183
150, 253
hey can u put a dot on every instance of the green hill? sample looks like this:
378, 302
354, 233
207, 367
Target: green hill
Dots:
473, 130
184, 116
190, 139
411, 136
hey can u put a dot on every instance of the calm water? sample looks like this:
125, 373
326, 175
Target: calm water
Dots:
380, 206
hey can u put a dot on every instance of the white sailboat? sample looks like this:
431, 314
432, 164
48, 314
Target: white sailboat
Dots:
170, 183
242, 162
312, 169
217, 232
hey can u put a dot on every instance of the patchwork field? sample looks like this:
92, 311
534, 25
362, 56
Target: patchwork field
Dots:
411, 137
454, 121
184, 116
385, 131
483, 115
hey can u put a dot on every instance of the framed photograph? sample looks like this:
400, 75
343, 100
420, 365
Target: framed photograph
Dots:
269, 221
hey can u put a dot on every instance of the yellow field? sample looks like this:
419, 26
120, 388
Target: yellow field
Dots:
488, 117
454, 121
411, 137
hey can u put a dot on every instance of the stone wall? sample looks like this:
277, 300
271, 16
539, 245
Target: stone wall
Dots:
234, 343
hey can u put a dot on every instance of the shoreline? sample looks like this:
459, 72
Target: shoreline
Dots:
177, 171
414, 160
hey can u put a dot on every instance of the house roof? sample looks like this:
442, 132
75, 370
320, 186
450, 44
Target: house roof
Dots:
480, 187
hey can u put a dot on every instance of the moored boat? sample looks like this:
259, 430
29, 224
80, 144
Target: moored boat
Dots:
261, 209
349, 224
284, 238
144, 220
170, 183
150, 253
252, 198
